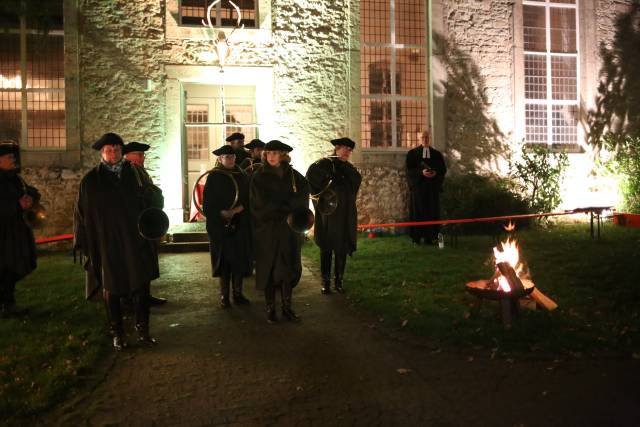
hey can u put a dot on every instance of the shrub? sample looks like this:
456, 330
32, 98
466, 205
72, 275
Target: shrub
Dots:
538, 175
476, 196
625, 163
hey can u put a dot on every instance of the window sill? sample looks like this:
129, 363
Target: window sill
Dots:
41, 158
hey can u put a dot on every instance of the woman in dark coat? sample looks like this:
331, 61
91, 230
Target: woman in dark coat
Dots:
120, 260
277, 190
225, 204
17, 245
335, 232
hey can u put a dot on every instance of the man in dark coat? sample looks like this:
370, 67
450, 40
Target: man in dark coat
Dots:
226, 205
120, 260
17, 245
276, 191
255, 147
425, 172
236, 141
335, 230
134, 152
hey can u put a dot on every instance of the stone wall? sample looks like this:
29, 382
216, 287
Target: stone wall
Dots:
383, 195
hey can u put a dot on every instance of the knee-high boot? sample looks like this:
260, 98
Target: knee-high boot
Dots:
114, 316
341, 263
287, 311
225, 281
325, 271
238, 297
270, 300
141, 305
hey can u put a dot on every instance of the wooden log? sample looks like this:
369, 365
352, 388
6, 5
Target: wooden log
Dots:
512, 277
543, 300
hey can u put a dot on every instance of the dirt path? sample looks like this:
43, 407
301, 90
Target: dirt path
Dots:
335, 368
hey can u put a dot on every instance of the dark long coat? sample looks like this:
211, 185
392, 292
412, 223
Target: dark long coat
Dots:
424, 197
277, 247
336, 232
17, 245
106, 229
231, 243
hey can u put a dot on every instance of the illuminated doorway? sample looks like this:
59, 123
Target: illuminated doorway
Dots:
214, 112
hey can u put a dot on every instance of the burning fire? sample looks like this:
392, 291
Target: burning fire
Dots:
509, 254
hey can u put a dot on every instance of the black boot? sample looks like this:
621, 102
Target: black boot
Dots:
224, 291
141, 303
325, 270
270, 299
341, 262
287, 311
238, 298
114, 316
155, 301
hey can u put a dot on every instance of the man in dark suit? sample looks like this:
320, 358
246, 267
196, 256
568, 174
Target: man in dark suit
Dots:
425, 172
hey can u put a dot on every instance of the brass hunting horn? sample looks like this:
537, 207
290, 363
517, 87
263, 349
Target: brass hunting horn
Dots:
235, 187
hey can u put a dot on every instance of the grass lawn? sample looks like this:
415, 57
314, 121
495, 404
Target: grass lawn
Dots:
48, 350
595, 282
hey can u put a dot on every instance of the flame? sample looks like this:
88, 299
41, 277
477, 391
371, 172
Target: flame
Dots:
509, 254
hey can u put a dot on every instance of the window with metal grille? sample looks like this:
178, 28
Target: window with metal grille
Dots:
32, 87
241, 114
551, 71
223, 14
197, 136
393, 72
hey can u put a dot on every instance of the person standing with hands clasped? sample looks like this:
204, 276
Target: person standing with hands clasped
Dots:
425, 172
277, 192
226, 206
334, 183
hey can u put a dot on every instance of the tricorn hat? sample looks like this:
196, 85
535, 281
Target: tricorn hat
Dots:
109, 138
8, 147
135, 146
275, 145
255, 143
347, 142
235, 136
225, 149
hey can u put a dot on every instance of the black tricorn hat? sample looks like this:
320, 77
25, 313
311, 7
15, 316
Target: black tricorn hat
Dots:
8, 147
255, 143
347, 142
109, 138
135, 146
235, 136
275, 145
225, 149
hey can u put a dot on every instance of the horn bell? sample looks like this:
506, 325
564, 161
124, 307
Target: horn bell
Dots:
153, 223
301, 220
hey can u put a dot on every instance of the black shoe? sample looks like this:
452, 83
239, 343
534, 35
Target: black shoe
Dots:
326, 288
290, 315
240, 299
271, 315
143, 335
338, 286
224, 302
155, 301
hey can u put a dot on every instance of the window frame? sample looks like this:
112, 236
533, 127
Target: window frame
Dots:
549, 102
218, 17
394, 98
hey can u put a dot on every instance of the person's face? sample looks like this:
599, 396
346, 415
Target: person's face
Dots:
228, 160
237, 144
7, 162
426, 139
136, 157
256, 153
112, 154
274, 158
343, 152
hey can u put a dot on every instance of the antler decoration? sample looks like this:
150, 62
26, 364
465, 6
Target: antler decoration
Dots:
223, 49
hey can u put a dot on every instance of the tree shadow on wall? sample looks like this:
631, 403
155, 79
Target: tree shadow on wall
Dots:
475, 142
617, 111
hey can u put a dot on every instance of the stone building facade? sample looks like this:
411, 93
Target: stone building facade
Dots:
132, 68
